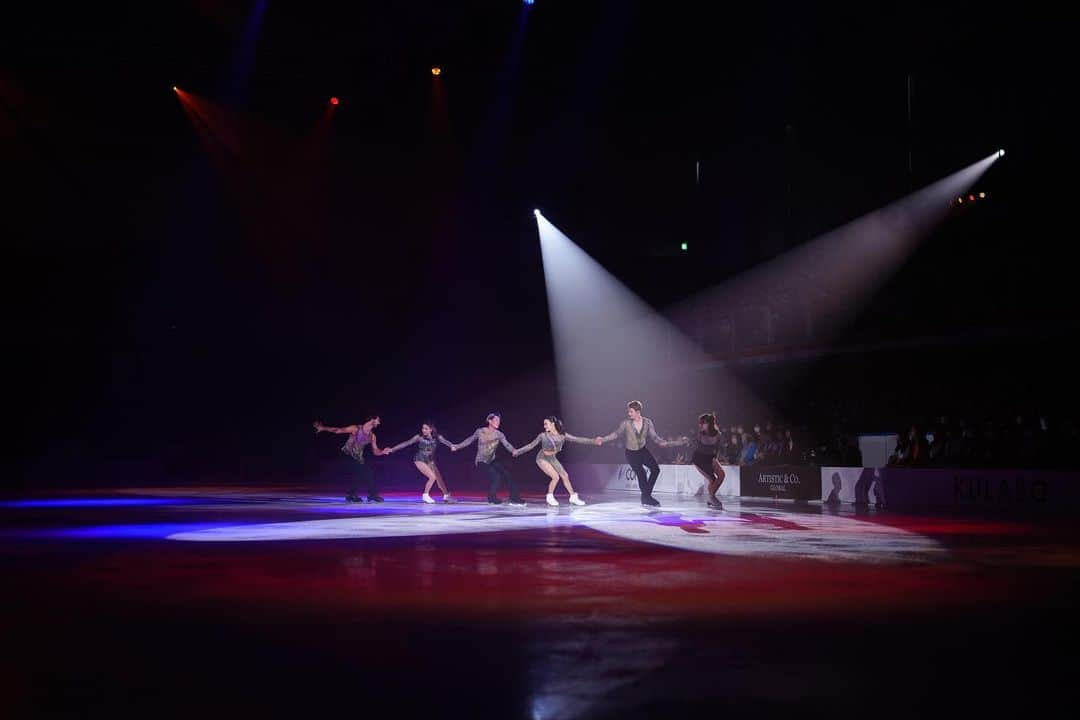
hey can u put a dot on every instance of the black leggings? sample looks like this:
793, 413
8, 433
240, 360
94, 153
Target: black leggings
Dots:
363, 475
638, 460
496, 474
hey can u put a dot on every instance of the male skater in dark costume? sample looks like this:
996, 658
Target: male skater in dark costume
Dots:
635, 431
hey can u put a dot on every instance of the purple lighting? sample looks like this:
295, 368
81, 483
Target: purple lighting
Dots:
87, 502
149, 531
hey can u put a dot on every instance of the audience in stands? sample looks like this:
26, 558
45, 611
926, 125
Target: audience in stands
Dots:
1021, 441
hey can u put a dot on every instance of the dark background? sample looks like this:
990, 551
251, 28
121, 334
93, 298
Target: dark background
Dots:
178, 312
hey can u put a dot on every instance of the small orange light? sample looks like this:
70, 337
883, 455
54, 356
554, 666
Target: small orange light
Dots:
436, 71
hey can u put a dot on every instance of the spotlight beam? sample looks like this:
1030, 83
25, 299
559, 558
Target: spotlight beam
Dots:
831, 276
611, 347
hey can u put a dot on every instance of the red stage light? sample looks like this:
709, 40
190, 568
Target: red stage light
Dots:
971, 198
334, 101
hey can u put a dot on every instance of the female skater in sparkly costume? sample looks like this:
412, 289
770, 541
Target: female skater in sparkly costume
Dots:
427, 442
706, 451
551, 443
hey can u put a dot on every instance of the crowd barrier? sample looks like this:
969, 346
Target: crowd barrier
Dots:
895, 487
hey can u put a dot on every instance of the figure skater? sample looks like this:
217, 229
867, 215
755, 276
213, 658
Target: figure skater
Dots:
635, 431
707, 446
360, 436
488, 439
428, 441
551, 444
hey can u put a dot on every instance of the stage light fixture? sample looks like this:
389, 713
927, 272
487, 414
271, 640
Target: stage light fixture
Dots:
334, 101
436, 71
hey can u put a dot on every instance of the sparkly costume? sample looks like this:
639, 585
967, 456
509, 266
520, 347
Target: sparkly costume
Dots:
425, 453
488, 441
553, 444
638, 456
355, 444
706, 449
632, 438
354, 448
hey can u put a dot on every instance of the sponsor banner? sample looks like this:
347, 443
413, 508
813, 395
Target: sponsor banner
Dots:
789, 482
890, 486
680, 479
908, 487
